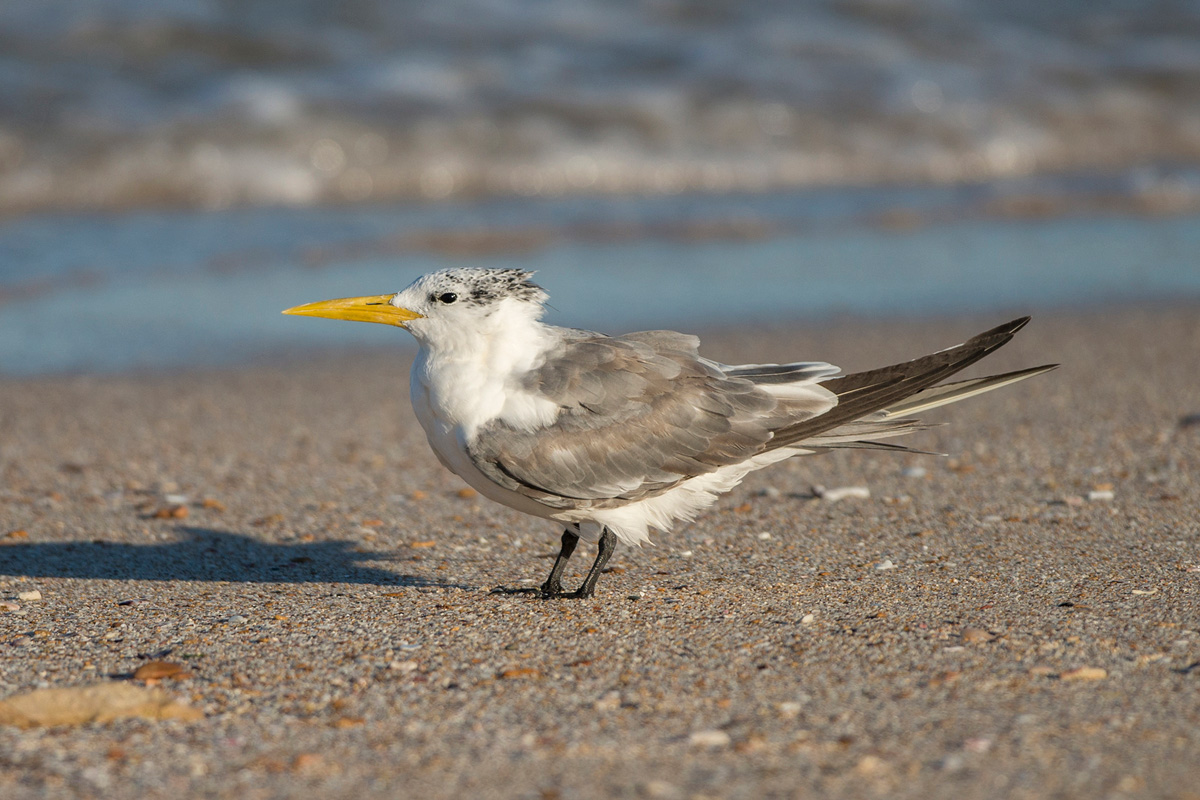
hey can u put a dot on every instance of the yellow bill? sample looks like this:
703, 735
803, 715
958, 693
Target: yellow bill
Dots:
377, 308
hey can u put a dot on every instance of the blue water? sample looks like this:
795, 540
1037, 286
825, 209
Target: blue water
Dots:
104, 293
659, 163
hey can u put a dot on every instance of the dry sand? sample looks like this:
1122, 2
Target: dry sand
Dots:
328, 593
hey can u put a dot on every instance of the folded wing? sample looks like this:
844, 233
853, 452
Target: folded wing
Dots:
638, 414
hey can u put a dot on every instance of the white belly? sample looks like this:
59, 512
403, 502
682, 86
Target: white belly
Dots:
448, 442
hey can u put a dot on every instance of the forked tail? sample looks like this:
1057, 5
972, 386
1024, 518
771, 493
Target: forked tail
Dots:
870, 403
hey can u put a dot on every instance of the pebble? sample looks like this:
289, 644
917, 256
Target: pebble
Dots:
306, 762
99, 702
764, 536
709, 738
975, 635
403, 666
160, 670
952, 763
913, 472
1100, 495
171, 512
8, 605
870, 765
31, 596
236, 619
885, 564
808, 619
790, 709
841, 493
1084, 674
662, 789
979, 744
520, 672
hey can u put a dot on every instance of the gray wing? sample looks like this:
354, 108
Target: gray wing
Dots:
638, 414
643, 412
875, 397
782, 373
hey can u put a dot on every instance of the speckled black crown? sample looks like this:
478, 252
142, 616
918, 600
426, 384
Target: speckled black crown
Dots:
486, 286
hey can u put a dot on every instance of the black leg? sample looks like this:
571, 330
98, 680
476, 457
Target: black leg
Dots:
608, 545
553, 585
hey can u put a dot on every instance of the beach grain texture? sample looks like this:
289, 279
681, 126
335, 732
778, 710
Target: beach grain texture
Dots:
1019, 618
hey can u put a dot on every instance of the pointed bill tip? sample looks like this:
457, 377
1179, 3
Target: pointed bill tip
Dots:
375, 308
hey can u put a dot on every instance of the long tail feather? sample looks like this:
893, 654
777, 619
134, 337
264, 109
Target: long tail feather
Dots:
889, 446
873, 427
897, 389
946, 393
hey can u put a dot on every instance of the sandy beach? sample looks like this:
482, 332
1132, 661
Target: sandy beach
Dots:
1020, 618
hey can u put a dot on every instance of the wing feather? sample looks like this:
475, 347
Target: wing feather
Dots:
863, 393
641, 413
638, 414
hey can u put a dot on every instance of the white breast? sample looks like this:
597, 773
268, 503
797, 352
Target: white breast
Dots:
452, 401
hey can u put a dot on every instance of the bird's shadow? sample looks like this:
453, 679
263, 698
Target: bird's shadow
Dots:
205, 554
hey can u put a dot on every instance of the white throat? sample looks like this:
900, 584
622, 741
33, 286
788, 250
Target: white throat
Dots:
468, 375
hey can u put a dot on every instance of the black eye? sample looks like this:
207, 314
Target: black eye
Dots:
447, 297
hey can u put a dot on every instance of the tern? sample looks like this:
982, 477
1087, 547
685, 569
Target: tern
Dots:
615, 435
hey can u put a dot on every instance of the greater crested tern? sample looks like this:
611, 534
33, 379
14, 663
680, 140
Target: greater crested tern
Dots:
615, 435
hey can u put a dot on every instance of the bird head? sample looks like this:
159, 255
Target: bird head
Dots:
445, 305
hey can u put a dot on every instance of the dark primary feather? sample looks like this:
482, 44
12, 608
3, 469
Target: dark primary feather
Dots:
863, 393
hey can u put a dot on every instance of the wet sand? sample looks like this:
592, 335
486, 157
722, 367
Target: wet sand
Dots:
985, 624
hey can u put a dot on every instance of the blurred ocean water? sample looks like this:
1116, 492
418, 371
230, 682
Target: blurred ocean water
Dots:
179, 289
173, 173
212, 103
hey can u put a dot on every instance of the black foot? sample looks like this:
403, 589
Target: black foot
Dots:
553, 589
